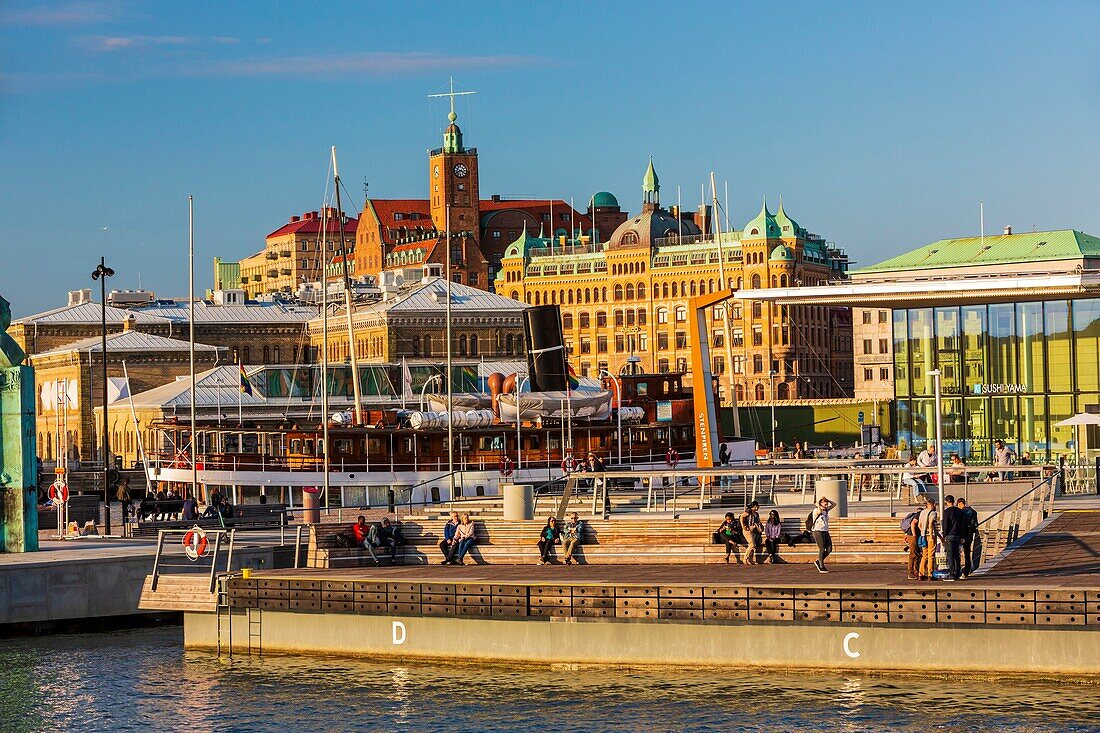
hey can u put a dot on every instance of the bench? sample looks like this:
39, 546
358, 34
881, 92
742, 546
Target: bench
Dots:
245, 517
83, 508
633, 541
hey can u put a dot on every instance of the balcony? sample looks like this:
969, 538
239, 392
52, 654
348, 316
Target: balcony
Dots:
284, 270
273, 272
284, 253
271, 255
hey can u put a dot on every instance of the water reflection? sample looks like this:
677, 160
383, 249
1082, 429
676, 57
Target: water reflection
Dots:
136, 680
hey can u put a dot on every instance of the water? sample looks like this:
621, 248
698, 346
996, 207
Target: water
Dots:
143, 680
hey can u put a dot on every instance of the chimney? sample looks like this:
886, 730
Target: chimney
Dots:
79, 297
496, 198
128, 322
1008, 229
294, 219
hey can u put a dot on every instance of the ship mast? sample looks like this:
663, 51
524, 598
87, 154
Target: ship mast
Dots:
325, 240
347, 298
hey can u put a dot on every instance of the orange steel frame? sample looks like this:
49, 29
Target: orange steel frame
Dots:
706, 413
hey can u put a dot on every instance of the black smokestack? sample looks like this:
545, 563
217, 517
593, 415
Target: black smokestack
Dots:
545, 348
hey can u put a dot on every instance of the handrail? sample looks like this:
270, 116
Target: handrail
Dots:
1015, 517
1019, 498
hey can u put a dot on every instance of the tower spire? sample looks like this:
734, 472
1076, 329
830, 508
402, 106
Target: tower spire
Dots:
651, 186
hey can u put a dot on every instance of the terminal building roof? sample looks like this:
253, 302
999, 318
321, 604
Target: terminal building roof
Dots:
130, 341
1025, 247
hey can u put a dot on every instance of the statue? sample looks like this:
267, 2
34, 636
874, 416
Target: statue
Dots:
18, 461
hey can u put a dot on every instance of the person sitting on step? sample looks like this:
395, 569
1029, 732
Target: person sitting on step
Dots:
773, 531
384, 534
571, 536
449, 545
549, 537
729, 534
465, 537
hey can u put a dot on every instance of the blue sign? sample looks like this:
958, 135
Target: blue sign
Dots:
859, 417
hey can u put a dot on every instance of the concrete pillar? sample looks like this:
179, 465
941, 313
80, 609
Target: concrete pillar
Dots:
311, 514
519, 501
835, 490
18, 464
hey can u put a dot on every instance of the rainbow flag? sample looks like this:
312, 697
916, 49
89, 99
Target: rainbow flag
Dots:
571, 377
246, 386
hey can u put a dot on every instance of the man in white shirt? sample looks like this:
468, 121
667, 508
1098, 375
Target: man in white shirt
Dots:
820, 531
927, 459
1003, 456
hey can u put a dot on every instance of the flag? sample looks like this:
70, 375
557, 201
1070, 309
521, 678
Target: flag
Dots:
246, 386
571, 376
406, 381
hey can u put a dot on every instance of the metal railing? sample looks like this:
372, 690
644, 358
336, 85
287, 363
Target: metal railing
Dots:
217, 561
1006, 525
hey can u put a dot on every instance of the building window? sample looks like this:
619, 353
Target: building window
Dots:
620, 342
884, 374
738, 365
662, 341
757, 363
601, 344
681, 314
618, 318
883, 316
584, 320
275, 354
681, 364
867, 347
601, 319
586, 346
883, 346
866, 317
757, 309
719, 366
759, 393
567, 320
718, 340
757, 336
681, 339
641, 316
662, 366
738, 337
662, 315
868, 375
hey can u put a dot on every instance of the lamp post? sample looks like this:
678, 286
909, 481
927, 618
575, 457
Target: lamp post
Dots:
519, 437
101, 273
618, 408
935, 374
771, 377
424, 388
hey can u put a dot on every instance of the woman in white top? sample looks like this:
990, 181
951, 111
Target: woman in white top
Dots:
821, 532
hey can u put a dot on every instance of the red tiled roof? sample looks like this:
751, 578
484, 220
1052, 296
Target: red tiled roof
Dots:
536, 208
427, 244
310, 223
387, 210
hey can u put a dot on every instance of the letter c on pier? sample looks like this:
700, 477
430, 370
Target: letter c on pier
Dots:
400, 633
848, 639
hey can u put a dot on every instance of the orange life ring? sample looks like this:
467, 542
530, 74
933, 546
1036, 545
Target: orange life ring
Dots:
195, 543
672, 457
59, 492
507, 466
569, 464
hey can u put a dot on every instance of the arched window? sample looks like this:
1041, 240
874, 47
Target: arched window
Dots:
538, 299
681, 314
601, 320
641, 316
782, 281
664, 291
662, 315
473, 344
570, 297
755, 281
527, 298
587, 295
630, 291
759, 387
618, 317
584, 320
739, 390
775, 281
514, 295
683, 289
629, 239
693, 293
641, 291
782, 391
509, 345
675, 290
427, 349
603, 294
580, 293
618, 292
462, 345
553, 297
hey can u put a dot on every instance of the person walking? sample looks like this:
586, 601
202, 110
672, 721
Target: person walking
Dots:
929, 524
820, 532
125, 499
970, 533
547, 539
750, 528
1002, 456
954, 527
911, 526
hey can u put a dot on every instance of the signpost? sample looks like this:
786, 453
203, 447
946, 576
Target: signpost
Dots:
59, 495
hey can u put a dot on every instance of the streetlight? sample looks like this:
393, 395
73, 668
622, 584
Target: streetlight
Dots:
618, 408
935, 374
771, 377
101, 273
424, 388
519, 438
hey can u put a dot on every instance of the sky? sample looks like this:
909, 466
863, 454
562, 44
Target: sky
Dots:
881, 125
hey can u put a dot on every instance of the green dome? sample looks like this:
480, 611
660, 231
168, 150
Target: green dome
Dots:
605, 199
788, 227
782, 253
763, 226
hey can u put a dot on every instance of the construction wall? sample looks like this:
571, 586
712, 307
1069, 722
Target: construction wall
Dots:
817, 423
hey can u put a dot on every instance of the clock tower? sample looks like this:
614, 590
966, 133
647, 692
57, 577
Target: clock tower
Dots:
452, 174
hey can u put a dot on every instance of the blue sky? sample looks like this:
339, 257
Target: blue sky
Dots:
881, 124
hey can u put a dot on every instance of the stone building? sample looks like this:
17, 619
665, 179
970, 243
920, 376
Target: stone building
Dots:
872, 339
70, 383
628, 297
409, 322
295, 253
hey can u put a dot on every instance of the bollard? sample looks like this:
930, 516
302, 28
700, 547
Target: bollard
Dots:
835, 490
519, 501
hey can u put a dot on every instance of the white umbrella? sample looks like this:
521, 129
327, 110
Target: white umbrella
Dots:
1081, 418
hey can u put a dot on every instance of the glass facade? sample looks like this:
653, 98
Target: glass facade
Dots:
1010, 371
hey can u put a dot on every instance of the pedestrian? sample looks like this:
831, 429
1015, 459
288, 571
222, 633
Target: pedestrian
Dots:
799, 451
125, 499
911, 526
970, 534
820, 531
190, 509
750, 528
773, 530
596, 465
1003, 456
929, 524
927, 459
954, 528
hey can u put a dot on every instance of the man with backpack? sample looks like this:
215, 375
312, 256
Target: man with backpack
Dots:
911, 527
970, 532
929, 525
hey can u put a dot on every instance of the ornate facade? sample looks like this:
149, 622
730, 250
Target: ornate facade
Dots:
628, 297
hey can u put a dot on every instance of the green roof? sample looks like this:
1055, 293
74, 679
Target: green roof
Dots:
1064, 244
604, 198
781, 253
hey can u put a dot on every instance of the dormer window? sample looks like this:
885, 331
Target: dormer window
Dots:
755, 231
398, 216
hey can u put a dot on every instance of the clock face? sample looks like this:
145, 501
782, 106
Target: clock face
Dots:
461, 170
436, 171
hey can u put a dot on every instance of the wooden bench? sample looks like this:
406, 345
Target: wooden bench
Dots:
633, 541
245, 517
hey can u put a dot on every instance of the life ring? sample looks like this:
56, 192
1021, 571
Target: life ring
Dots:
59, 492
507, 466
194, 543
569, 464
672, 457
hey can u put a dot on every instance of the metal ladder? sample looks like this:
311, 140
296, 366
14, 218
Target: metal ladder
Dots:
224, 613
255, 630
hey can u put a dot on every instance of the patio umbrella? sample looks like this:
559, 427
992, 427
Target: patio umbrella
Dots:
1081, 418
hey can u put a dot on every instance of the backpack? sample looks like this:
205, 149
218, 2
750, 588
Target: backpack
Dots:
810, 521
907, 521
342, 540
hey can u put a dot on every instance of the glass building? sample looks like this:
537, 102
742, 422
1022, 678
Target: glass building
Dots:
1010, 371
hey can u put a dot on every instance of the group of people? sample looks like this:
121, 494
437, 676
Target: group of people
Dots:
458, 538
921, 468
750, 532
956, 531
384, 535
568, 534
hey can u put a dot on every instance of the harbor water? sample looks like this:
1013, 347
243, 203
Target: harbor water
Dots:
144, 680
